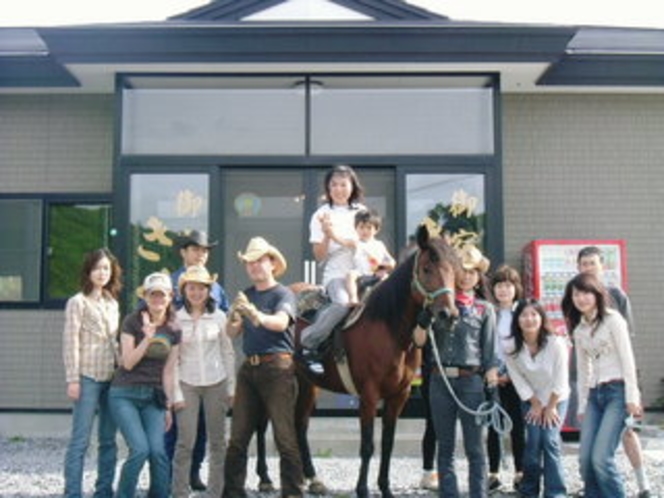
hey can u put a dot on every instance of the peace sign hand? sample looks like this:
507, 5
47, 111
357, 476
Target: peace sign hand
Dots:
148, 328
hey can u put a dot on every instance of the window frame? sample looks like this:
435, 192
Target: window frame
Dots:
47, 200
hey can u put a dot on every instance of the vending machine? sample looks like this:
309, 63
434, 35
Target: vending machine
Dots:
549, 264
547, 267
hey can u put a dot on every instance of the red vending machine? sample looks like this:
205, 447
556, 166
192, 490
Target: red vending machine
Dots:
547, 267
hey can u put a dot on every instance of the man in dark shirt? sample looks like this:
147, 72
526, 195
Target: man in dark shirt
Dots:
591, 260
265, 315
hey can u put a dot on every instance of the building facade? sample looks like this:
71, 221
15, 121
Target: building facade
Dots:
226, 118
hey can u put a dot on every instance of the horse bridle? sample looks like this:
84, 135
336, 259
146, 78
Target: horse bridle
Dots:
429, 296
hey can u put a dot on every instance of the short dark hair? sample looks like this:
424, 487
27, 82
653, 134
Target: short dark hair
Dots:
369, 216
506, 273
347, 172
590, 251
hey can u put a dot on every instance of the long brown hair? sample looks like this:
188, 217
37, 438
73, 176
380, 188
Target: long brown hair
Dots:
114, 285
584, 282
545, 329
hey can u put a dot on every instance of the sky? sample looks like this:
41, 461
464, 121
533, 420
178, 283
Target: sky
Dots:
635, 13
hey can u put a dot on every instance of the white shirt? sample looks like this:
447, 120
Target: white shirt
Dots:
504, 339
339, 258
543, 374
206, 354
371, 254
604, 354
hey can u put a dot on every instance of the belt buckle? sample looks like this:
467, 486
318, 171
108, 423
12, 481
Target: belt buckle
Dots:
254, 360
452, 372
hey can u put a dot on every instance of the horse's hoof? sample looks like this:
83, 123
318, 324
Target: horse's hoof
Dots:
316, 487
266, 487
362, 492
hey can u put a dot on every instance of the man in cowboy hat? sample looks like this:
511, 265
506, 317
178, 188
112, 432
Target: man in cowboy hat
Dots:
265, 314
194, 248
466, 349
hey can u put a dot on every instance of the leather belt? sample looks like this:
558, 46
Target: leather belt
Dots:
256, 359
611, 381
456, 372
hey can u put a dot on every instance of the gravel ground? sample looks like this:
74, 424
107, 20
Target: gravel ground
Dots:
33, 467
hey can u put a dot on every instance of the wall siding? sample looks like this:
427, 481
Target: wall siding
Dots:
592, 166
575, 166
56, 143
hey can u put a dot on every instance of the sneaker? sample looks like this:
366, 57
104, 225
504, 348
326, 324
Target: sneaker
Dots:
429, 480
494, 484
311, 359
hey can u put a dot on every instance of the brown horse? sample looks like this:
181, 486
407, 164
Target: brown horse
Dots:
382, 359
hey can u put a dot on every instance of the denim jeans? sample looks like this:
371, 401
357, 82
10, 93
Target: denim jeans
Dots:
601, 431
445, 412
141, 422
270, 388
93, 399
542, 458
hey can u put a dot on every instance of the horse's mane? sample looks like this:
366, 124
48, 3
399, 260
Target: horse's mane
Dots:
387, 302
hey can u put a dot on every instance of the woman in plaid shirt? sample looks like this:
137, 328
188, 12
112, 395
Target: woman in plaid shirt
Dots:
89, 349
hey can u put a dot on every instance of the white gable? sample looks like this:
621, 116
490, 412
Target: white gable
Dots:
307, 10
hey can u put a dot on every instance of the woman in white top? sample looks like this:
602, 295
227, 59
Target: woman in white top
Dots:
608, 390
506, 289
538, 366
90, 349
333, 239
205, 373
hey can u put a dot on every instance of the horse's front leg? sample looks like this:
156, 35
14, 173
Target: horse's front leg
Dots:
367, 416
391, 411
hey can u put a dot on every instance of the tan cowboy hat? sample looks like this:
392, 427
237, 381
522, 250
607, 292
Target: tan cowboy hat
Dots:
473, 259
197, 274
259, 247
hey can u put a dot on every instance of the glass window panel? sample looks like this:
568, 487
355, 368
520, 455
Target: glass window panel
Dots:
20, 250
268, 204
74, 230
229, 121
379, 194
161, 207
401, 120
457, 199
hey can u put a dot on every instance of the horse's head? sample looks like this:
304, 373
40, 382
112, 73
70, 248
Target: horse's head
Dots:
434, 272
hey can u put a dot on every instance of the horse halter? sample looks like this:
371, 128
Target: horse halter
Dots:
429, 296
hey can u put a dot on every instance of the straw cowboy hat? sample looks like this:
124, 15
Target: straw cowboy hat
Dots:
195, 238
259, 247
198, 274
472, 259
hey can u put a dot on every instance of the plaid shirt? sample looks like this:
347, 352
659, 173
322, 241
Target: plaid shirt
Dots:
90, 345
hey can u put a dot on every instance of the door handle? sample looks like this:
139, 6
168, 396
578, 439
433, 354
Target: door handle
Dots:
310, 270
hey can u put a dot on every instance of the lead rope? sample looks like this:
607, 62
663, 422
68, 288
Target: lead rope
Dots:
489, 413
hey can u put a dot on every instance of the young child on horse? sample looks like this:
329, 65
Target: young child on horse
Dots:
372, 260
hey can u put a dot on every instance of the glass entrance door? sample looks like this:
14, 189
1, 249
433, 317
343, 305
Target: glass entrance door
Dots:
277, 204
